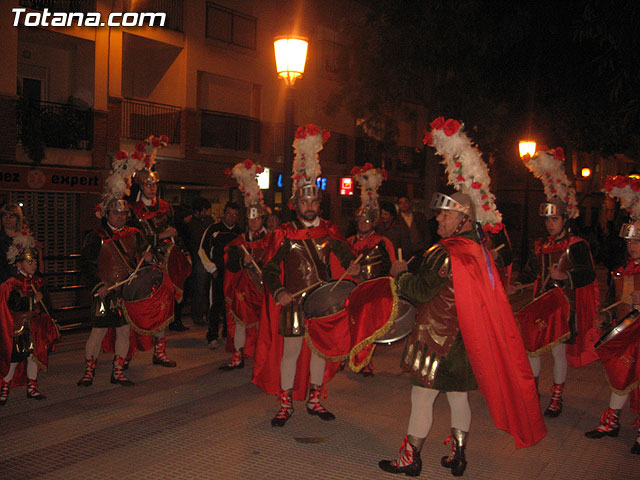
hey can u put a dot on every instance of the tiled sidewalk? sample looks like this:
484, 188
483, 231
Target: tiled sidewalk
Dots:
197, 422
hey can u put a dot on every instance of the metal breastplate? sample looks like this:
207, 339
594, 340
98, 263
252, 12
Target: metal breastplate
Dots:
433, 334
21, 319
624, 285
117, 258
307, 263
370, 263
257, 254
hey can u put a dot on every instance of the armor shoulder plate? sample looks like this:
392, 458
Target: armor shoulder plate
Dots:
436, 258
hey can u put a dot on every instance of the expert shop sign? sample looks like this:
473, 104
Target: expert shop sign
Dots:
46, 179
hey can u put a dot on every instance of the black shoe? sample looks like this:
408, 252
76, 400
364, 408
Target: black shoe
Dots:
636, 448
229, 366
164, 362
178, 327
412, 470
595, 433
125, 382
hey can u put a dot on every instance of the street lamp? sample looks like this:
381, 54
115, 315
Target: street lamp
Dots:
525, 147
291, 56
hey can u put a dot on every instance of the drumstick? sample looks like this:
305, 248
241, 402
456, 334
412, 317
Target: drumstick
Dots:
130, 277
522, 287
410, 260
306, 289
400, 254
35, 291
345, 273
498, 248
616, 304
246, 252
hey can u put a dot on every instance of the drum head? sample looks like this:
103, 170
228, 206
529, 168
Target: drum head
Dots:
321, 301
403, 324
147, 280
619, 328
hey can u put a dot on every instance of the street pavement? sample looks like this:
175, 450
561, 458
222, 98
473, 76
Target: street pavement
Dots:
197, 422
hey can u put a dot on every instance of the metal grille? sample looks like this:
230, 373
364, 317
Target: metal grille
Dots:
52, 218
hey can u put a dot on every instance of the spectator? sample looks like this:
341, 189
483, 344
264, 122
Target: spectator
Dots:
200, 279
388, 226
415, 226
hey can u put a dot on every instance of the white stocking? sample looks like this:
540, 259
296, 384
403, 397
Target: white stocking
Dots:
616, 402
536, 365
32, 368
316, 369
290, 351
559, 363
460, 410
94, 342
421, 411
12, 371
240, 337
122, 340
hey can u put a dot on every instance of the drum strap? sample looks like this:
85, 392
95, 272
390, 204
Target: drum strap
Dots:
119, 248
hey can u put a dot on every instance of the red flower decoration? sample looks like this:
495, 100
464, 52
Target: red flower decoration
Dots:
137, 155
460, 178
147, 162
155, 142
635, 185
366, 167
526, 157
458, 164
451, 126
141, 147
164, 138
543, 148
437, 124
326, 135
558, 154
428, 139
121, 155
227, 172
484, 197
259, 169
476, 185
300, 133
486, 207
312, 129
620, 181
384, 174
248, 164
355, 171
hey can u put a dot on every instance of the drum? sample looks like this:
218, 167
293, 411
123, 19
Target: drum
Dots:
178, 267
148, 300
618, 348
403, 323
544, 322
322, 301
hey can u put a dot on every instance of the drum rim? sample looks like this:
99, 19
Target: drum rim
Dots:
619, 328
152, 267
308, 294
389, 341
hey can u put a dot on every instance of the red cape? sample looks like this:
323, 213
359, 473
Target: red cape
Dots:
44, 333
266, 368
244, 299
139, 209
493, 343
587, 307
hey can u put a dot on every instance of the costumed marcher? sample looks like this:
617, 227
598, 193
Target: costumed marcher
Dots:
109, 255
154, 217
243, 287
619, 347
561, 267
302, 254
211, 252
12, 223
27, 331
465, 336
377, 252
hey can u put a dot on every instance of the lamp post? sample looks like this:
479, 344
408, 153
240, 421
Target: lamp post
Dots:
525, 147
291, 56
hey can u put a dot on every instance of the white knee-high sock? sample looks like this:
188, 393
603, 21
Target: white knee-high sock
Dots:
240, 337
94, 342
559, 363
316, 369
32, 368
460, 410
616, 402
290, 351
421, 416
122, 340
536, 365
12, 370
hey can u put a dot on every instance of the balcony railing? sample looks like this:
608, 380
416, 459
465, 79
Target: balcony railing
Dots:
232, 132
141, 119
57, 125
66, 6
172, 9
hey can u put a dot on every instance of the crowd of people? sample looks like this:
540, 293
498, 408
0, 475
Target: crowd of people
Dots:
271, 290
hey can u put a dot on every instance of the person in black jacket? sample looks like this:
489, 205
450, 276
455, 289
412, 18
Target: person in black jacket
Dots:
211, 252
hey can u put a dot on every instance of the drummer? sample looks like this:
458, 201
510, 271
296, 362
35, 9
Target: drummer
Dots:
625, 288
298, 257
154, 217
562, 260
462, 309
110, 254
377, 251
243, 288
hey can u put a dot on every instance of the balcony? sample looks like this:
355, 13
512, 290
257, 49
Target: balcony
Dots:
141, 119
230, 132
65, 6
56, 125
172, 9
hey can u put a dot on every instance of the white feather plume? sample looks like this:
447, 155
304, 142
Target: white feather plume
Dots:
307, 144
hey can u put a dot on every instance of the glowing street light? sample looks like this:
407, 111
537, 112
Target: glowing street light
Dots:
585, 172
527, 147
291, 56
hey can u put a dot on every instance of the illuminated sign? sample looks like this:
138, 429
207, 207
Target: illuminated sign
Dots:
321, 182
346, 186
263, 179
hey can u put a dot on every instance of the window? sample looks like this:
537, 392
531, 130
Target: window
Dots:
231, 26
